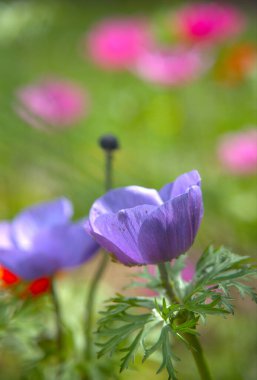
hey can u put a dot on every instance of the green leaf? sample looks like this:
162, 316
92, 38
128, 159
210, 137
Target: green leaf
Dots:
132, 349
164, 344
217, 271
167, 354
121, 326
130, 322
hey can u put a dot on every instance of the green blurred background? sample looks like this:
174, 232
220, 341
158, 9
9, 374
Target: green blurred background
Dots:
163, 132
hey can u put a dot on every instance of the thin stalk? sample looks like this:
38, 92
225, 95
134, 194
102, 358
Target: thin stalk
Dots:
197, 352
195, 346
58, 322
109, 144
90, 303
166, 283
108, 170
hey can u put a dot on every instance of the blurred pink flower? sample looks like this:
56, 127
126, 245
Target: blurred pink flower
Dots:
170, 67
208, 22
116, 43
188, 272
187, 275
140, 290
50, 102
237, 152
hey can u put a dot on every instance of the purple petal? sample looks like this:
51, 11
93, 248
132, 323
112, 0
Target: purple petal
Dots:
54, 249
19, 262
180, 185
109, 246
118, 233
5, 236
70, 245
123, 198
170, 230
34, 219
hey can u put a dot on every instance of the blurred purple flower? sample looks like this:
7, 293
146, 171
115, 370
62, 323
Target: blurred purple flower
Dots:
116, 43
170, 67
237, 152
41, 240
208, 22
52, 102
143, 226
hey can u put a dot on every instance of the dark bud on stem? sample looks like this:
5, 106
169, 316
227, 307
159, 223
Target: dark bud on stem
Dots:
109, 143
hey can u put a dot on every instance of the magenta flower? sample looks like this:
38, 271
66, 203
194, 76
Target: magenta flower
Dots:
52, 103
170, 67
188, 272
116, 44
42, 240
237, 152
208, 22
142, 226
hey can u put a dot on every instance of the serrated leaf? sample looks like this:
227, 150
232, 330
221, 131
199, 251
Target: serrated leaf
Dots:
217, 271
164, 344
167, 354
209, 293
149, 351
132, 349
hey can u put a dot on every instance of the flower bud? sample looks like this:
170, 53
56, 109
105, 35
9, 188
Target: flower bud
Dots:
109, 142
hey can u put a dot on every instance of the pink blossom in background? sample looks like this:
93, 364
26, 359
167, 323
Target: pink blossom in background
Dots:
52, 102
188, 272
115, 44
208, 22
152, 269
237, 152
171, 67
187, 275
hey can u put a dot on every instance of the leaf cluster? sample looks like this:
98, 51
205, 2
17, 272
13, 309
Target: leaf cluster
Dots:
218, 271
126, 324
150, 325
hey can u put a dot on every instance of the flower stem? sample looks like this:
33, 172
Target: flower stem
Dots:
109, 144
90, 303
197, 352
58, 321
108, 170
195, 346
166, 283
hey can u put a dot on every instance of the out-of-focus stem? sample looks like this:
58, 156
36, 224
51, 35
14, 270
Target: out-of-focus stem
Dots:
90, 303
108, 170
59, 327
108, 143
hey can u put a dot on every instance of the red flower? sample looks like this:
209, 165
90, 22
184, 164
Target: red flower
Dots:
34, 288
39, 286
8, 278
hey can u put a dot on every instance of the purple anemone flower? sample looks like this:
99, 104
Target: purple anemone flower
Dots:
143, 226
41, 240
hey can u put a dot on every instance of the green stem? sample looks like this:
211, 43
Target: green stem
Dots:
166, 283
195, 346
197, 352
59, 328
90, 303
108, 170
100, 270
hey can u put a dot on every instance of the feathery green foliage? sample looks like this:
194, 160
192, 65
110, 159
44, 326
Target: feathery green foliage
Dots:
128, 324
